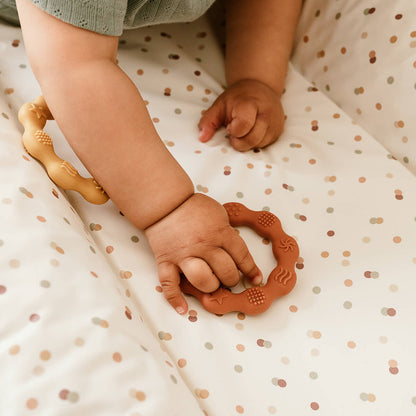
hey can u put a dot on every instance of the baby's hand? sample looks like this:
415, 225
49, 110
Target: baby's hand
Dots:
196, 239
251, 111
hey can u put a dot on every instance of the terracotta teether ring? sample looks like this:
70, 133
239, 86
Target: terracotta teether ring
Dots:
38, 144
281, 280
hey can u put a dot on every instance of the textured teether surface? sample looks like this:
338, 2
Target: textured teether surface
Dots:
38, 144
281, 280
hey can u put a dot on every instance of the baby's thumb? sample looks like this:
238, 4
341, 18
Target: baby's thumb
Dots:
211, 121
169, 278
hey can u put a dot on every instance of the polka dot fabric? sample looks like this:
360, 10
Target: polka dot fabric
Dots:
92, 327
364, 58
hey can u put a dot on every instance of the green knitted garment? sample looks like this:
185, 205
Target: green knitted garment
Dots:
110, 17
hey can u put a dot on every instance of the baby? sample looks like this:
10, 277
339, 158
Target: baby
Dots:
103, 117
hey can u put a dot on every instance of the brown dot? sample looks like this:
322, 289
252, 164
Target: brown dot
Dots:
391, 311
372, 54
314, 406
398, 16
397, 239
361, 179
15, 43
192, 318
128, 312
357, 138
330, 233
140, 72
32, 403
293, 308
343, 50
306, 39
394, 370
40, 218
324, 254
393, 39
117, 357
372, 61
302, 217
109, 249
379, 106
63, 394
94, 274
281, 383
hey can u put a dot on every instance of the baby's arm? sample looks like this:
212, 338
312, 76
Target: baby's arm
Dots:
259, 37
104, 118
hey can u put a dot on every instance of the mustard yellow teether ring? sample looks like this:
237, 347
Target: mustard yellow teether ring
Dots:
38, 143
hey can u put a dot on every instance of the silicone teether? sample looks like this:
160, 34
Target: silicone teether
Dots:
38, 144
281, 280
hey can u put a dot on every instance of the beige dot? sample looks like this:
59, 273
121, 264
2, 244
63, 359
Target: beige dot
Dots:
351, 344
140, 396
14, 263
32, 403
182, 362
366, 239
45, 355
203, 394
14, 349
371, 397
54, 263
117, 357
315, 352
239, 326
383, 339
239, 409
38, 370
393, 363
345, 263
79, 342
40, 218
393, 288
104, 324
285, 159
285, 360
316, 334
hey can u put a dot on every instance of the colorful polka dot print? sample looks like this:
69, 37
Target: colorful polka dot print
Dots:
85, 327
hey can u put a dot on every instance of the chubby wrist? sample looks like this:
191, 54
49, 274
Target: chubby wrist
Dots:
277, 88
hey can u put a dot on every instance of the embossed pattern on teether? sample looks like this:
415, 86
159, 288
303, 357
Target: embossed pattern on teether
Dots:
233, 209
69, 168
282, 276
255, 295
287, 244
266, 219
43, 138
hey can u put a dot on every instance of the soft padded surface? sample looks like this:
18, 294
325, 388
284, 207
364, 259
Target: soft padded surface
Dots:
85, 328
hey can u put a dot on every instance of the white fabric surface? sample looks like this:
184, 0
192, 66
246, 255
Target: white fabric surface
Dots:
341, 343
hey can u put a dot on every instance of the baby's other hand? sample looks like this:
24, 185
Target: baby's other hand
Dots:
252, 113
196, 239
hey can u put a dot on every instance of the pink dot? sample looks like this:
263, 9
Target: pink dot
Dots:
281, 383
34, 317
314, 406
63, 394
391, 311
2, 289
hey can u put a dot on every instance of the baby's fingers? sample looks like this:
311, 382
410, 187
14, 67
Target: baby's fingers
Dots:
255, 138
238, 250
169, 278
243, 118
